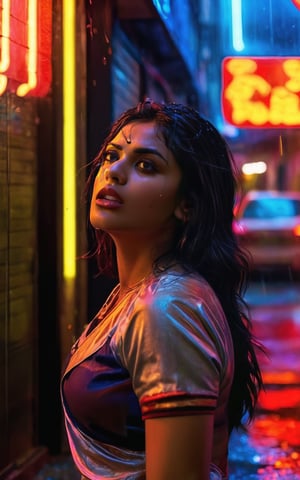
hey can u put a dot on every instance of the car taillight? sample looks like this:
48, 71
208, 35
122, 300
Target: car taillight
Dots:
296, 230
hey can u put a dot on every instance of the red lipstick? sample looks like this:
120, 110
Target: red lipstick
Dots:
107, 197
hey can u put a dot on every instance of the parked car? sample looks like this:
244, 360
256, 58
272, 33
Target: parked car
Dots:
267, 224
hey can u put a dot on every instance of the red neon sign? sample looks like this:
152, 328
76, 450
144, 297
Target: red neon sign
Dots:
262, 92
25, 47
296, 3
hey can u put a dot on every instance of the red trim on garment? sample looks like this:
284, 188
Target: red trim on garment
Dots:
178, 412
176, 404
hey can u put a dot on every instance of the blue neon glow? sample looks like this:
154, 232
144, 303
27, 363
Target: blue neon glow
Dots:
237, 25
163, 7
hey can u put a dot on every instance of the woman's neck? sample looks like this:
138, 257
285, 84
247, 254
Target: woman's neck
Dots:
133, 269
136, 257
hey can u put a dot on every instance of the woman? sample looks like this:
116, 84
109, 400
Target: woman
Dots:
167, 368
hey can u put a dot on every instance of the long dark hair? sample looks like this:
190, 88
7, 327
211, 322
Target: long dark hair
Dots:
205, 242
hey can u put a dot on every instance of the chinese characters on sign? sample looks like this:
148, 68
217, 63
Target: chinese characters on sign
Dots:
262, 92
25, 47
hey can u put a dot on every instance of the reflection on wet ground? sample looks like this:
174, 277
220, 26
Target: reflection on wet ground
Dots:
270, 448
60, 468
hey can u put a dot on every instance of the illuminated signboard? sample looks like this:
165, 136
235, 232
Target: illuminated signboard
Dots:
25, 47
296, 3
262, 92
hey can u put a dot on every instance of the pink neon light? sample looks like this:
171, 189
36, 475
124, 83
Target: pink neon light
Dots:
25, 40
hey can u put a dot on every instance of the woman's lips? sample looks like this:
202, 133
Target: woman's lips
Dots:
108, 198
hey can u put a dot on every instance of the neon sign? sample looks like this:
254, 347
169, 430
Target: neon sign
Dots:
296, 3
261, 92
25, 47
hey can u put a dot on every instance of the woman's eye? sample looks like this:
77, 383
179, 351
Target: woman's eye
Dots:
110, 156
146, 166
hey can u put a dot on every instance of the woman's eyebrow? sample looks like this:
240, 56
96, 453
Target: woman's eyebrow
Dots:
140, 150
152, 151
118, 147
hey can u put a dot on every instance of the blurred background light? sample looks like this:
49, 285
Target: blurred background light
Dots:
237, 25
254, 168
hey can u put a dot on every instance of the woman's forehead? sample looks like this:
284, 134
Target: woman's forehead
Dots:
140, 132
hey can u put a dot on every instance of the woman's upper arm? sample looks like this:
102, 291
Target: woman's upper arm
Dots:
179, 447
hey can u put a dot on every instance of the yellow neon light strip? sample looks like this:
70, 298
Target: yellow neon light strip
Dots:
24, 88
69, 141
4, 50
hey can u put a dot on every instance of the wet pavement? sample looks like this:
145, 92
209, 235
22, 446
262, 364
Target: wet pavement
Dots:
270, 448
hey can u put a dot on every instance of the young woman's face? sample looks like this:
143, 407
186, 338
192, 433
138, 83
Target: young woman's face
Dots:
137, 187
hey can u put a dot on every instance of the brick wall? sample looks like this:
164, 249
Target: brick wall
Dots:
18, 275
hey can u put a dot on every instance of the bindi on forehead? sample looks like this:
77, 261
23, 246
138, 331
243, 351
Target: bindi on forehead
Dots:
126, 137
145, 130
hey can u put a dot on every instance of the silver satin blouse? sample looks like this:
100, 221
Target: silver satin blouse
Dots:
172, 339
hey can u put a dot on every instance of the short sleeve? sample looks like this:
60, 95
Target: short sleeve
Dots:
173, 349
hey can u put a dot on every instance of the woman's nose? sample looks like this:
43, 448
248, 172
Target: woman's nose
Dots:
115, 173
